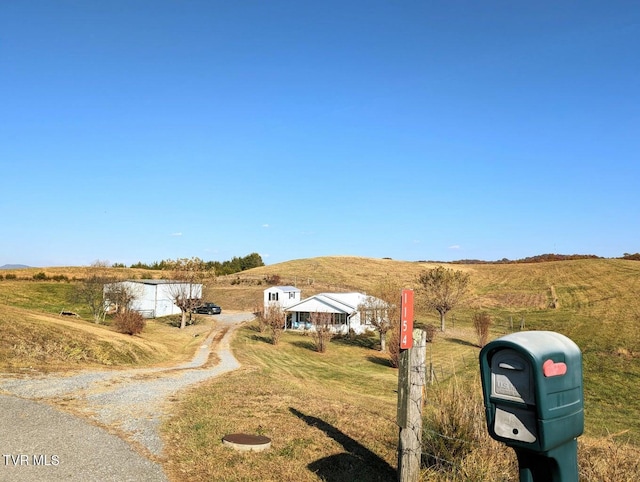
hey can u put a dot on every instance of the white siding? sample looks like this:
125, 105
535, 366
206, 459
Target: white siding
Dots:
340, 303
153, 298
285, 296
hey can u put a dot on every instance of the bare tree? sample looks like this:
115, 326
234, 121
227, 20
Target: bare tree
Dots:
187, 292
119, 296
322, 332
394, 345
385, 316
482, 322
443, 289
258, 311
90, 291
375, 312
187, 296
274, 319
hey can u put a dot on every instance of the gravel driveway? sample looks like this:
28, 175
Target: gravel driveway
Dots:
39, 442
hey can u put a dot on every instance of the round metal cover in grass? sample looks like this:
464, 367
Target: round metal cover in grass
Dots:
246, 442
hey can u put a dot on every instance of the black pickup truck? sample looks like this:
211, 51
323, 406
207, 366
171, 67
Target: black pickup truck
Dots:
208, 309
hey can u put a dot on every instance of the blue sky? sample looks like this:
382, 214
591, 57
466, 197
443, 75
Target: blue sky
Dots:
418, 130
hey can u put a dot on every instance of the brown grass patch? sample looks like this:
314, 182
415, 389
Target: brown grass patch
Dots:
42, 342
607, 460
326, 419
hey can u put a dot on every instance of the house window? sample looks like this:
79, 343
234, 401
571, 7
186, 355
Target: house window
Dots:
339, 318
273, 296
292, 295
369, 316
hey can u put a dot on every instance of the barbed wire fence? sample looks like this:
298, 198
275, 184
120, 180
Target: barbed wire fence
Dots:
435, 459
454, 425
442, 452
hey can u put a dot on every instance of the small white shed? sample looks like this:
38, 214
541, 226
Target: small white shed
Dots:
155, 298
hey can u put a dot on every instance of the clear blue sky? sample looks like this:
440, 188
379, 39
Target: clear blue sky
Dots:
442, 130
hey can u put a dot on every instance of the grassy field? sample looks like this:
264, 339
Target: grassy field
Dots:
594, 302
331, 416
598, 306
338, 409
35, 337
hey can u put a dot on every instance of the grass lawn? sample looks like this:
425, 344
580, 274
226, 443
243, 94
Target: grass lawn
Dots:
329, 415
332, 416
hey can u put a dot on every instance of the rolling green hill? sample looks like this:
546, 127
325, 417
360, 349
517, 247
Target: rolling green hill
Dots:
593, 301
596, 302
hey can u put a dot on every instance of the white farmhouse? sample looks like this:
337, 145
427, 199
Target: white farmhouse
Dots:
344, 308
155, 298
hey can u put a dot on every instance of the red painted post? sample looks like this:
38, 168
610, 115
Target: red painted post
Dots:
406, 319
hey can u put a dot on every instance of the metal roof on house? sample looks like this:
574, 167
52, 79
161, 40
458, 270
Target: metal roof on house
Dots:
330, 303
286, 289
157, 281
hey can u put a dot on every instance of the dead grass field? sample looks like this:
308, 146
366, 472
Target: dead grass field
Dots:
35, 337
334, 413
331, 416
604, 288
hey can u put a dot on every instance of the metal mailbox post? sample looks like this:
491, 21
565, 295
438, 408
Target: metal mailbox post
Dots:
533, 397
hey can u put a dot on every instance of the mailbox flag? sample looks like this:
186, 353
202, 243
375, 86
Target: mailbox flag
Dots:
553, 369
406, 319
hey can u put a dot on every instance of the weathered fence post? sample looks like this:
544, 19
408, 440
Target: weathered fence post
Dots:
411, 382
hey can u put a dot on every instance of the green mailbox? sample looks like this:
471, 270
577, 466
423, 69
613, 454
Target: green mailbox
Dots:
533, 397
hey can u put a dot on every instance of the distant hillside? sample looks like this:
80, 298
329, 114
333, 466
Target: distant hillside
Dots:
541, 258
604, 288
14, 266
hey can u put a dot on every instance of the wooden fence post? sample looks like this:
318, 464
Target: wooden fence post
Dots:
411, 382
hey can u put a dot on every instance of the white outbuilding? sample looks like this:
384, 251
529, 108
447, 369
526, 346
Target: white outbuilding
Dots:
154, 298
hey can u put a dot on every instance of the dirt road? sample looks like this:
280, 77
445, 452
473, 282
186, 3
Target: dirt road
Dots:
100, 426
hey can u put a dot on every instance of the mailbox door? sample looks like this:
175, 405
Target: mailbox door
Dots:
515, 424
511, 377
513, 394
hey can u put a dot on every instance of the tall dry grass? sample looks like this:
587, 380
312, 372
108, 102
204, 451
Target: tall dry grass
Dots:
457, 447
606, 459
456, 444
482, 323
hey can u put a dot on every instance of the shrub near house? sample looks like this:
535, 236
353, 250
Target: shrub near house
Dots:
129, 323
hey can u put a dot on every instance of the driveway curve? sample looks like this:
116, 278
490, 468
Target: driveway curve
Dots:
109, 430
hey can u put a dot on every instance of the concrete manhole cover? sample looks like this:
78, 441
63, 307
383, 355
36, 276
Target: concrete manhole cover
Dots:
246, 442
